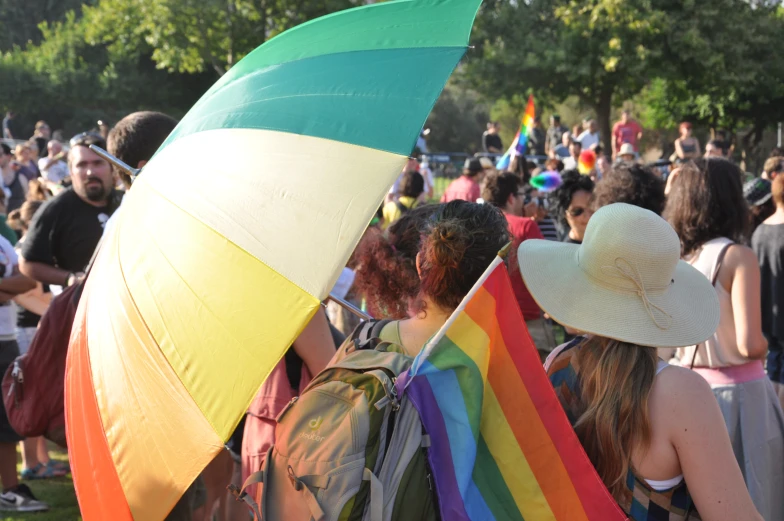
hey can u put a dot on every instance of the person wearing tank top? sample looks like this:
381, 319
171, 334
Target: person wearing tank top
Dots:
654, 432
706, 208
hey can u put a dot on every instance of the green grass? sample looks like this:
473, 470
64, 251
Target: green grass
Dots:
440, 187
57, 493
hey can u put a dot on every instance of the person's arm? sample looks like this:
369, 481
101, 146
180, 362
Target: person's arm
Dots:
315, 345
671, 180
740, 276
48, 274
614, 140
16, 284
679, 149
37, 259
47, 162
34, 300
5, 297
699, 436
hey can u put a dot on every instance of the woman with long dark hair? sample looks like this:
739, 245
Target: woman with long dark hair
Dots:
654, 432
707, 209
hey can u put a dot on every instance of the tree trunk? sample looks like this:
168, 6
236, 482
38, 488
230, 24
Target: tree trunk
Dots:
603, 108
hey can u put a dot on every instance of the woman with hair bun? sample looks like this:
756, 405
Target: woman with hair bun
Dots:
455, 245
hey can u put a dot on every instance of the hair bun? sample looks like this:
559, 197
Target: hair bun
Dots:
450, 241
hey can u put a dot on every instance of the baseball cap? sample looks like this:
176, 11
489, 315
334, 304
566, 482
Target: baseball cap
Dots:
757, 191
473, 165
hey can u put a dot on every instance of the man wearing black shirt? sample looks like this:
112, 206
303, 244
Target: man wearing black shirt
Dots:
491, 140
65, 231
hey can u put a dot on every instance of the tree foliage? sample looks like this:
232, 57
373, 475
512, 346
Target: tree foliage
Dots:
457, 121
191, 36
72, 84
711, 62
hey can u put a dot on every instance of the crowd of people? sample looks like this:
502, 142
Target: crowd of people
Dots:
621, 273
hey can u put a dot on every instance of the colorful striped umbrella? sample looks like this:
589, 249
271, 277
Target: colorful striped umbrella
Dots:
231, 237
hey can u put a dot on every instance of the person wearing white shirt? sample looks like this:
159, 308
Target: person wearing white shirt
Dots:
53, 168
570, 163
590, 136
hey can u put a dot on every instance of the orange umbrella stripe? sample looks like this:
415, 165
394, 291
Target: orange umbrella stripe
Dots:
98, 486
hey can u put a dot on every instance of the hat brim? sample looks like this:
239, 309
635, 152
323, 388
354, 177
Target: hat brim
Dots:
566, 293
762, 201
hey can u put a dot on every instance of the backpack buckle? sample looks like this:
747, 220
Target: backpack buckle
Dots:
295, 482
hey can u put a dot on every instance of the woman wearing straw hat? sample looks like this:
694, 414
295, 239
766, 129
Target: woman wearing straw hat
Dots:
654, 432
707, 210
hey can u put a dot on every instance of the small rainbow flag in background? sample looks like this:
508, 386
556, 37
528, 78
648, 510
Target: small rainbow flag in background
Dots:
501, 445
520, 142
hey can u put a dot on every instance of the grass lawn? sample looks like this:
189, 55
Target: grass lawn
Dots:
57, 493
440, 187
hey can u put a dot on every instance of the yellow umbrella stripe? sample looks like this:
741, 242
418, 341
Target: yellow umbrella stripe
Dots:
229, 306
325, 190
134, 383
232, 306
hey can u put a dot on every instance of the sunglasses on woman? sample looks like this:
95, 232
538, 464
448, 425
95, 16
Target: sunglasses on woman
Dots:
576, 212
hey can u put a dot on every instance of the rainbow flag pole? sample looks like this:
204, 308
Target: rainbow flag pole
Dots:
520, 142
502, 447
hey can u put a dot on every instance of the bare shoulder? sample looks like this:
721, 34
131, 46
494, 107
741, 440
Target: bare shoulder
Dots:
681, 389
738, 254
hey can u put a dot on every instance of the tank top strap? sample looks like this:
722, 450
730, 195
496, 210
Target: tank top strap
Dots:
660, 366
707, 257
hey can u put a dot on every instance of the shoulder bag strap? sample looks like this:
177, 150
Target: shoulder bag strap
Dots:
714, 278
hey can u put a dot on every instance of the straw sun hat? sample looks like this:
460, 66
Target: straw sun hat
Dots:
625, 281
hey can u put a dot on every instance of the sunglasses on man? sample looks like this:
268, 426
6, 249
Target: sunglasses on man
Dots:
85, 139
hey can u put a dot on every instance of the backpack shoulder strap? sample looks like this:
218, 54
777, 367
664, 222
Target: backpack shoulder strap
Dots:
366, 332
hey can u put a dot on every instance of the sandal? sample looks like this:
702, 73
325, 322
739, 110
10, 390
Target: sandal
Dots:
41, 471
59, 466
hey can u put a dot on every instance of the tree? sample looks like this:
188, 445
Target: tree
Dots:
191, 36
72, 84
734, 80
597, 50
19, 19
457, 121
608, 51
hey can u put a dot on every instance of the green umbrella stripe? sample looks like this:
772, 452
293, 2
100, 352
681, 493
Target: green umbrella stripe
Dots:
377, 99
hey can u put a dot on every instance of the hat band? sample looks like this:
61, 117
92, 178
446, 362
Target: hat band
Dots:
628, 271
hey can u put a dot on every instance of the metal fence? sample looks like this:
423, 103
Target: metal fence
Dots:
450, 164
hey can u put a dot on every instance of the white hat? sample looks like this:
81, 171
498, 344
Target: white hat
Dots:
625, 281
627, 149
486, 163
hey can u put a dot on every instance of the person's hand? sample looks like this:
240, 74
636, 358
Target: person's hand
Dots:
530, 209
74, 278
671, 179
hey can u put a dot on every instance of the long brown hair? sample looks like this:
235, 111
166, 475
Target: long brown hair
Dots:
707, 202
615, 382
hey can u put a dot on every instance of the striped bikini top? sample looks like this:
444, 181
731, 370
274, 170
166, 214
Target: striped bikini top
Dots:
642, 502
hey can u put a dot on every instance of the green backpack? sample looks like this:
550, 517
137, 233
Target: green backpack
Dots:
348, 448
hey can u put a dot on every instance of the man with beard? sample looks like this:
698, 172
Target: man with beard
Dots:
66, 230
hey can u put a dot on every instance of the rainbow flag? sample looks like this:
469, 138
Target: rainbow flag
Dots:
520, 142
501, 445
